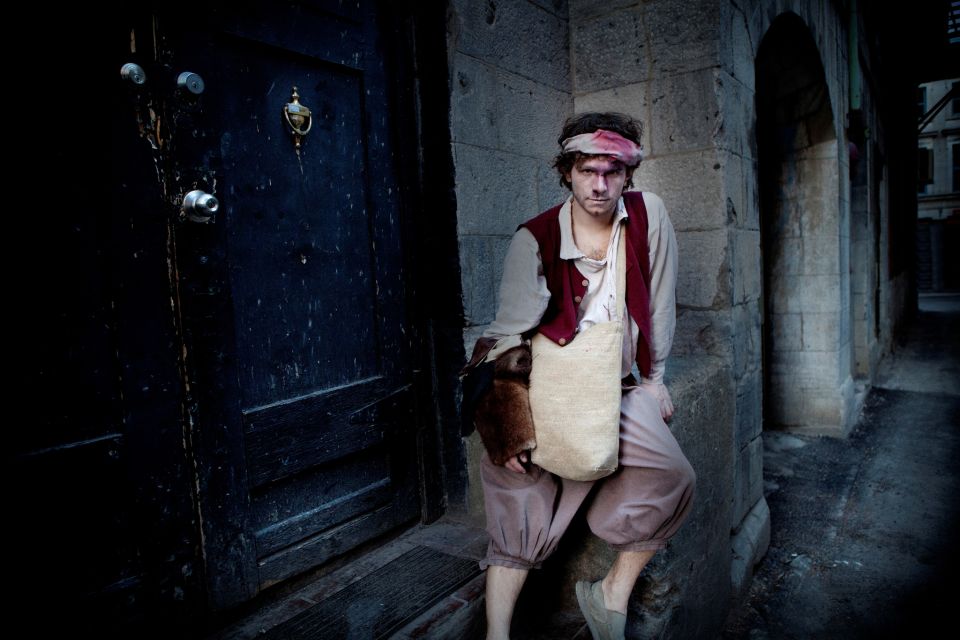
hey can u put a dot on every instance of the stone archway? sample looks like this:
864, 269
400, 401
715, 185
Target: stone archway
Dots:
807, 382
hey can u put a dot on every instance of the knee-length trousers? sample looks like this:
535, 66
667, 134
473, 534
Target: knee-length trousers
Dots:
640, 506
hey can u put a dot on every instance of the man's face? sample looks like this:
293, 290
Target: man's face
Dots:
597, 183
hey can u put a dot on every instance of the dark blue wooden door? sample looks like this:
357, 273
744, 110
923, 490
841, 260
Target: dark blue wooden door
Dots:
293, 301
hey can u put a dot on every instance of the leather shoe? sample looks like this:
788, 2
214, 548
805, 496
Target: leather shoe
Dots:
605, 624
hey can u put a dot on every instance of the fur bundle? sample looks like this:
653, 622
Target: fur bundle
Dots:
503, 416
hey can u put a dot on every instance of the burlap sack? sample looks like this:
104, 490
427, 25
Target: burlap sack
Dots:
575, 396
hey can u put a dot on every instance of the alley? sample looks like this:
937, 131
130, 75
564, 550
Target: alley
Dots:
864, 529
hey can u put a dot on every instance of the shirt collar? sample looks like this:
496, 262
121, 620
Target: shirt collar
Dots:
568, 248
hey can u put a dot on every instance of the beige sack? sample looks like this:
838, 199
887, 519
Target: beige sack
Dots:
575, 396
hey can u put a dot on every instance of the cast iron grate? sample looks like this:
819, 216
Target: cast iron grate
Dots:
383, 601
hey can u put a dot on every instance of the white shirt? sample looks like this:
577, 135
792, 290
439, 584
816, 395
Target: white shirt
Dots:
524, 294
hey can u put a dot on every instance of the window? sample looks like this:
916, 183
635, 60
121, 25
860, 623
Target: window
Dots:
924, 169
955, 106
956, 168
953, 23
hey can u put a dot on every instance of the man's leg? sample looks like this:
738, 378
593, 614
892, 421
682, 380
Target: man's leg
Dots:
641, 506
618, 584
527, 514
503, 588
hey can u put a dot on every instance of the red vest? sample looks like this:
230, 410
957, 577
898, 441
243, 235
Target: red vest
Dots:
567, 285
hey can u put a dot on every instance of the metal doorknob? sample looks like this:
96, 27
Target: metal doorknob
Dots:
199, 206
133, 73
189, 81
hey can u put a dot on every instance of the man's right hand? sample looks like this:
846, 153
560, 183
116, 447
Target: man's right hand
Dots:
516, 462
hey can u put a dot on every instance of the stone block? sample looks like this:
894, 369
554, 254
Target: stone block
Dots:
496, 190
493, 108
549, 190
684, 111
862, 260
819, 215
737, 44
751, 193
784, 287
559, 8
609, 50
821, 255
786, 332
749, 544
747, 330
520, 37
691, 186
748, 421
731, 171
805, 293
581, 9
818, 294
481, 267
735, 128
818, 196
702, 332
820, 331
748, 478
845, 364
739, 178
786, 402
785, 257
684, 36
630, 99
747, 265
703, 278
807, 369
822, 407
790, 211
474, 117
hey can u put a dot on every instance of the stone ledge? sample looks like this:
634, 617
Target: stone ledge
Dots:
749, 543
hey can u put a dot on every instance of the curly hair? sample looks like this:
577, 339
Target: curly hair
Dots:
620, 123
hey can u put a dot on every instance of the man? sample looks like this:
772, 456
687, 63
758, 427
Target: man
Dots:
640, 506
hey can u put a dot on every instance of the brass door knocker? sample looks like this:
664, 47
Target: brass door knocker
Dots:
298, 117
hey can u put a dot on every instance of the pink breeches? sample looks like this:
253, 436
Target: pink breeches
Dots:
640, 506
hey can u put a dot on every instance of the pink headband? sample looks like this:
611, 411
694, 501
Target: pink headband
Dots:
605, 143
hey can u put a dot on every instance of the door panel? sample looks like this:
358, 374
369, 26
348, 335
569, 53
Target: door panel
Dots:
294, 301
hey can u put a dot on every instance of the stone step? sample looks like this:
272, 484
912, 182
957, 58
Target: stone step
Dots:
426, 583
374, 596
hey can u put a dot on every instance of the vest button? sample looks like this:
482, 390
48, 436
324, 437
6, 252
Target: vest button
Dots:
577, 299
562, 341
585, 282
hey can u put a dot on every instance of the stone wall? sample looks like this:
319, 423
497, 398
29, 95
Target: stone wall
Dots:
687, 70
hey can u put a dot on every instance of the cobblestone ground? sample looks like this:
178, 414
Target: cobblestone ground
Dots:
864, 529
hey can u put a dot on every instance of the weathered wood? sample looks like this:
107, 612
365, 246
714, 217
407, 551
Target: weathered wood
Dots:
296, 301
286, 439
314, 551
326, 515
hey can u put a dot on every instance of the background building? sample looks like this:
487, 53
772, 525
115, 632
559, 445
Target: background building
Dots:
938, 193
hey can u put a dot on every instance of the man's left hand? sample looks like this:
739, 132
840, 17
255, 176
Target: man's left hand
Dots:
659, 391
